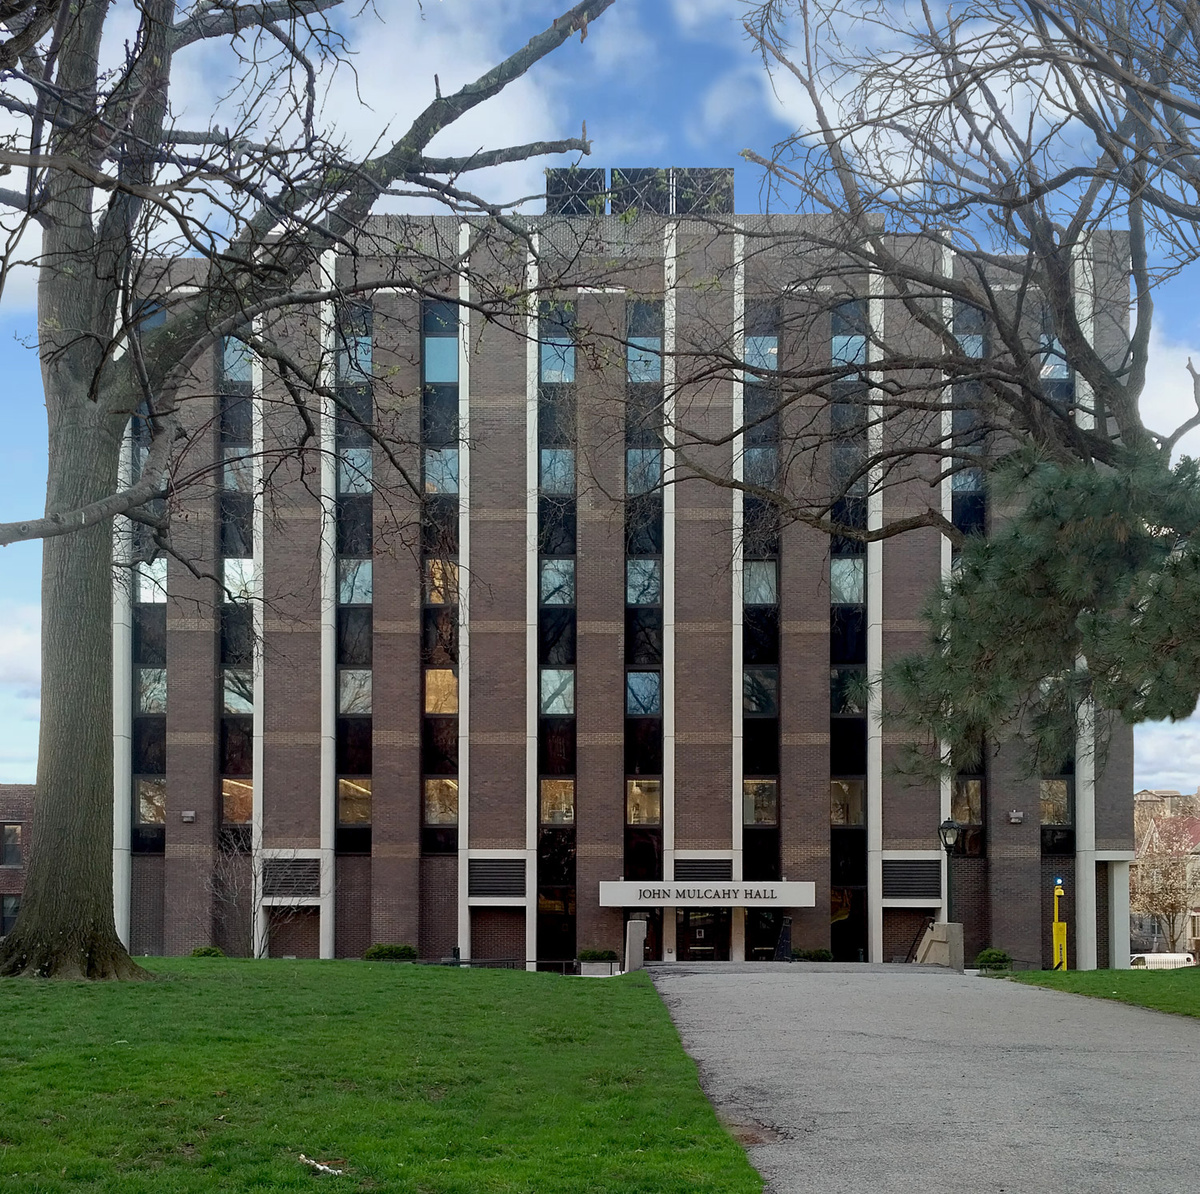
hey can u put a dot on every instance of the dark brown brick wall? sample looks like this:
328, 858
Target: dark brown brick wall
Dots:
1063, 868
146, 905
969, 903
294, 933
1103, 941
900, 926
16, 808
352, 907
439, 907
1014, 857
498, 933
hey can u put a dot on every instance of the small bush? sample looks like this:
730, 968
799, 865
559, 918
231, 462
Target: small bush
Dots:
993, 959
208, 951
391, 953
598, 955
811, 955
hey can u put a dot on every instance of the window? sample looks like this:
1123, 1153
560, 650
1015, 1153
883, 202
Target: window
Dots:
236, 415
354, 470
238, 579
557, 582
1056, 802
441, 360
354, 801
441, 470
152, 690
760, 692
846, 696
847, 580
849, 327
354, 582
151, 796
966, 801
236, 360
762, 353
760, 802
847, 802
441, 802
761, 466
557, 691
1055, 366
441, 690
643, 470
237, 470
354, 691
237, 690
10, 906
643, 359
643, 694
441, 582
643, 582
353, 365
10, 845
152, 580
557, 471
643, 802
557, 802
558, 360
237, 801
760, 582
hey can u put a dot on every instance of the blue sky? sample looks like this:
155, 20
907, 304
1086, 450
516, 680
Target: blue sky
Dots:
659, 82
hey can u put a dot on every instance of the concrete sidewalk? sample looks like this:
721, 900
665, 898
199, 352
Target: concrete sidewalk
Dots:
862, 1079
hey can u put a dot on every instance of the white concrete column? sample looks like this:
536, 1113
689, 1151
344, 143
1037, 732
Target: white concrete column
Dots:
122, 706
328, 600
1118, 915
668, 595
464, 591
874, 643
737, 945
531, 605
946, 562
259, 927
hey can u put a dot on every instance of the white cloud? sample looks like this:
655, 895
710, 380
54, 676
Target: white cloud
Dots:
725, 107
1167, 398
1167, 755
707, 16
20, 682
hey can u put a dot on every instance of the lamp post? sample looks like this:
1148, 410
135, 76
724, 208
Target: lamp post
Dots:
949, 831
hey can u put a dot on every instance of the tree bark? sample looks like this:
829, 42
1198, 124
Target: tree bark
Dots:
65, 928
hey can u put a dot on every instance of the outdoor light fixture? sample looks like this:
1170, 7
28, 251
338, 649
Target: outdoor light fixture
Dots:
949, 832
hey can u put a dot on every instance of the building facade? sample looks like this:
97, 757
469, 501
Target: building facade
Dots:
16, 841
484, 667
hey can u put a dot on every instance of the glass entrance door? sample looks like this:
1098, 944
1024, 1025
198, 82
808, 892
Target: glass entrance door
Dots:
702, 934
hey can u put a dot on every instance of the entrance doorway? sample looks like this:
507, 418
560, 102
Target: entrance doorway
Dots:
848, 924
702, 934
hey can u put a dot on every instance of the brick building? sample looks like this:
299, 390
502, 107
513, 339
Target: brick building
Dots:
553, 693
16, 840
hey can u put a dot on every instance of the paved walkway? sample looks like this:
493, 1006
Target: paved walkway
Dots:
869, 1079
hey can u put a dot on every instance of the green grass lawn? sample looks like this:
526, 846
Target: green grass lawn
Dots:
411, 1078
1175, 991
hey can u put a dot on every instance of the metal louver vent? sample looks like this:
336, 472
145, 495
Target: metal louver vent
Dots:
504, 877
299, 878
689, 870
912, 879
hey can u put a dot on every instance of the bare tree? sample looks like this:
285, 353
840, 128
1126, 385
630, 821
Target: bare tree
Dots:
992, 195
1165, 879
116, 193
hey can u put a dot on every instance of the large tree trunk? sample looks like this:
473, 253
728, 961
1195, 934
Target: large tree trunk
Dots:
65, 928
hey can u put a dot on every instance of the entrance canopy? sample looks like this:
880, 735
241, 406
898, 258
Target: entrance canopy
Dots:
657, 893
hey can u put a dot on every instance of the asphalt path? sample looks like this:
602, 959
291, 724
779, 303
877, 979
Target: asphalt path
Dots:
869, 1079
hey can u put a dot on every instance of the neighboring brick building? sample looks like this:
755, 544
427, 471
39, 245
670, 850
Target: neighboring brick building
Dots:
652, 684
16, 840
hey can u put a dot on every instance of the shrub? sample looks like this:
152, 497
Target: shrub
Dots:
598, 955
811, 955
993, 959
391, 953
208, 951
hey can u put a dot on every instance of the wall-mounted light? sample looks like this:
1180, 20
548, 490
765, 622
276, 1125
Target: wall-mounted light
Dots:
1016, 817
188, 817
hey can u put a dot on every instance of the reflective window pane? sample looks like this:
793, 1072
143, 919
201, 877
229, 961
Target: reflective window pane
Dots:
760, 582
237, 801
557, 802
354, 470
237, 470
1054, 364
760, 801
970, 345
760, 692
643, 802
847, 802
760, 466
354, 690
441, 802
237, 687
557, 582
151, 804
557, 691
966, 801
236, 360
762, 352
238, 578
643, 694
847, 580
10, 845
557, 359
441, 582
849, 350
845, 690
643, 469
355, 582
354, 801
441, 360
152, 690
556, 473
152, 581
643, 359
643, 581
441, 690
441, 470
354, 359
1056, 802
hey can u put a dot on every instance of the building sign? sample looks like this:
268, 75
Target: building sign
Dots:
658, 893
